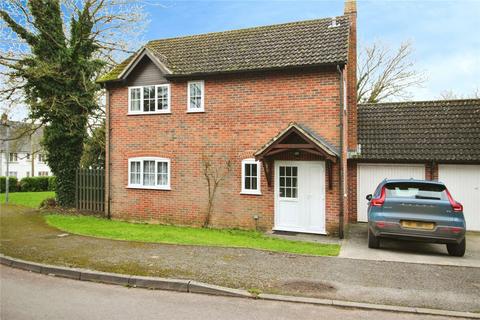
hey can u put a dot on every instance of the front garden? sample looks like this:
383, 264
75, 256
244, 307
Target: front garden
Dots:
118, 230
167, 234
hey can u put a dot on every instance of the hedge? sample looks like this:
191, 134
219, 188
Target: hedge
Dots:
12, 184
30, 184
52, 183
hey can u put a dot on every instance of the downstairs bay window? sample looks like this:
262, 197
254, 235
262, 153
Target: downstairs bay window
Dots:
149, 173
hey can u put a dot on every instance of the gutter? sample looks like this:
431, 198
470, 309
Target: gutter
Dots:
340, 167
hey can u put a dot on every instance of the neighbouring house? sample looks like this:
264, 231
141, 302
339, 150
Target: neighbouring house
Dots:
271, 113
435, 140
26, 156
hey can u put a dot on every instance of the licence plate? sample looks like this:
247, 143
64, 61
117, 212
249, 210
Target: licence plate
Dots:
418, 225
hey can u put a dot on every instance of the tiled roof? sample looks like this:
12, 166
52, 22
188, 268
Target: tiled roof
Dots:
304, 43
444, 130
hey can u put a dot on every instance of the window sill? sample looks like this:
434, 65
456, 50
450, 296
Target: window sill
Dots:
147, 113
149, 188
251, 193
195, 111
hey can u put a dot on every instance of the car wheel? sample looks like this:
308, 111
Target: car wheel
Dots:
456, 249
373, 241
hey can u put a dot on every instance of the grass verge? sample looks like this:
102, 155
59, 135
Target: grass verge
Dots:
118, 230
27, 199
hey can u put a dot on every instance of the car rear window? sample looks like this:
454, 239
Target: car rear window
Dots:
412, 190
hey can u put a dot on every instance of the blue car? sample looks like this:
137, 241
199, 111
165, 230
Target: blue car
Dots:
416, 210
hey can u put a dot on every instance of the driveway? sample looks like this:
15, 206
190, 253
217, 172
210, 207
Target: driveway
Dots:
355, 247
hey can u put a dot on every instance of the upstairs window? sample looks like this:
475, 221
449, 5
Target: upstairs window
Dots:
149, 173
250, 176
195, 96
13, 157
42, 158
149, 99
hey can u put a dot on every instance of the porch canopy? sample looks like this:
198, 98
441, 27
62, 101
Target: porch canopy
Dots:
296, 139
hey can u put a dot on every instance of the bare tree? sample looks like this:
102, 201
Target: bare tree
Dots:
118, 31
452, 95
384, 73
214, 171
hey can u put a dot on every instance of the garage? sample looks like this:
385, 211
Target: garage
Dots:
371, 174
463, 181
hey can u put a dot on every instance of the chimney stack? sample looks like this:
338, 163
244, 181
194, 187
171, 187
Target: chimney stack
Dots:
350, 7
351, 12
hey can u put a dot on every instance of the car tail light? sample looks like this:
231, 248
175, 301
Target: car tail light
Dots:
378, 202
456, 206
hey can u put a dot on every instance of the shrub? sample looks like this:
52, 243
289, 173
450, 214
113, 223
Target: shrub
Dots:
12, 184
30, 184
48, 203
52, 183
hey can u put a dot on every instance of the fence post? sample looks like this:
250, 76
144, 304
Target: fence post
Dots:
76, 189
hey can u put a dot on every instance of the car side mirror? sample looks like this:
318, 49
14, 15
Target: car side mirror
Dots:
369, 197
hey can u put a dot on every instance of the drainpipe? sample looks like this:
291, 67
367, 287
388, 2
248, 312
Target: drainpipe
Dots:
108, 163
340, 167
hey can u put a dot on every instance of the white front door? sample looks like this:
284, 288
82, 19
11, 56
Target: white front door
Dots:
369, 175
463, 182
300, 196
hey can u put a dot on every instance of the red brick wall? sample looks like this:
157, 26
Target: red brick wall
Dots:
352, 192
431, 171
243, 112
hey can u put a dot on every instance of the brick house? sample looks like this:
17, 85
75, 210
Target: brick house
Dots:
272, 109
272, 113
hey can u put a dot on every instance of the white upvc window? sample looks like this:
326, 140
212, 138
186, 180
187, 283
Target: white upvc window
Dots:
250, 177
41, 158
196, 96
149, 99
149, 173
13, 157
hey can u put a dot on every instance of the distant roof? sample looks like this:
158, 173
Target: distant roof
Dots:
295, 44
443, 130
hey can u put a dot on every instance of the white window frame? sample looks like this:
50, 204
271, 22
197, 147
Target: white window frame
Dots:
202, 97
256, 191
156, 186
13, 157
141, 111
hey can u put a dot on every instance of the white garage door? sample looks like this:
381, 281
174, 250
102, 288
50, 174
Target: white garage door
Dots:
370, 175
463, 181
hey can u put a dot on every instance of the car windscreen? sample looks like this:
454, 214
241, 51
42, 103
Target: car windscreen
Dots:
415, 190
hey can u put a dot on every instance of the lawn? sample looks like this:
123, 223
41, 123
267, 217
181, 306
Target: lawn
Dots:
27, 199
118, 230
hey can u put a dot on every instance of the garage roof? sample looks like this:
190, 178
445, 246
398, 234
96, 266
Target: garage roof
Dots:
442, 130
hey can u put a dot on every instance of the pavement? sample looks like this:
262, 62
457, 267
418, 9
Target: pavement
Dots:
355, 247
24, 235
25, 295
